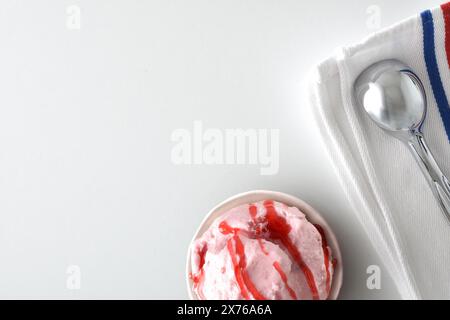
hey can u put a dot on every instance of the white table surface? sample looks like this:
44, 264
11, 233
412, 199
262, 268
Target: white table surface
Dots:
86, 117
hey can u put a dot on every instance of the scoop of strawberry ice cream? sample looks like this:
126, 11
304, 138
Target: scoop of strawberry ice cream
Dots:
262, 251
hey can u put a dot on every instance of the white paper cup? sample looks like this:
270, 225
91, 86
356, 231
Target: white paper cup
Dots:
254, 196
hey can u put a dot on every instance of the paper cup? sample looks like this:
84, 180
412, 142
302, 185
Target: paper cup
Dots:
255, 196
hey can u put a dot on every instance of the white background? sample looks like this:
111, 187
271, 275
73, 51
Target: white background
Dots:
86, 118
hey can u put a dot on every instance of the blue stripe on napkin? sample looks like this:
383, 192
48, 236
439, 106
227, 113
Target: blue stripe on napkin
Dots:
433, 69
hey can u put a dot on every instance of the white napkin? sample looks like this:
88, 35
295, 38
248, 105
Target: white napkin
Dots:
385, 186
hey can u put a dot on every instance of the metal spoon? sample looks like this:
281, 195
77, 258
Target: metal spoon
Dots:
394, 98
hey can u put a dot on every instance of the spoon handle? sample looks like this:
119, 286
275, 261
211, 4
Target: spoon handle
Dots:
438, 181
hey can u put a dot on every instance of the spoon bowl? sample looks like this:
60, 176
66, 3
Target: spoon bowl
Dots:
392, 95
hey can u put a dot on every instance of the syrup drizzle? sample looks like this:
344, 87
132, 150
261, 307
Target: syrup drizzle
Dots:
279, 230
326, 256
277, 267
237, 273
242, 277
198, 278
253, 210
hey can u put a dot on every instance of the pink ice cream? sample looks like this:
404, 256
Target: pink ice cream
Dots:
262, 251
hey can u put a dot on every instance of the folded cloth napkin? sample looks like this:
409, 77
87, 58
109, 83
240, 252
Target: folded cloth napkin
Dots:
384, 184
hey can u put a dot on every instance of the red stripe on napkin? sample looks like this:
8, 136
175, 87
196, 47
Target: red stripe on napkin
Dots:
446, 11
